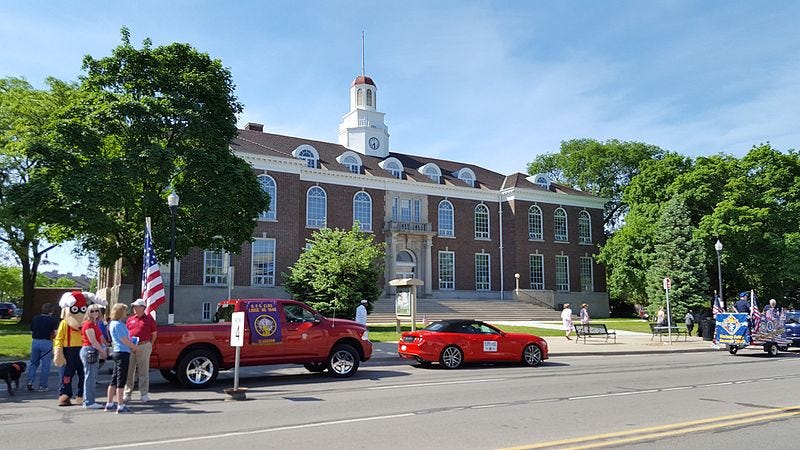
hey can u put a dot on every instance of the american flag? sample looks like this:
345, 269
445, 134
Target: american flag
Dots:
754, 314
152, 284
718, 307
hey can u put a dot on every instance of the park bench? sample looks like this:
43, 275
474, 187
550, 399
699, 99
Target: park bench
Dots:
661, 330
591, 330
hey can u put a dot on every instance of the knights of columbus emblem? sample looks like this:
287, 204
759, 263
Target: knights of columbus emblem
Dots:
730, 324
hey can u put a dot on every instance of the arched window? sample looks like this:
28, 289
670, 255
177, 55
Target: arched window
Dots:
369, 97
535, 223
560, 224
352, 164
481, 222
316, 207
445, 218
311, 159
393, 166
362, 211
584, 228
268, 185
360, 97
467, 176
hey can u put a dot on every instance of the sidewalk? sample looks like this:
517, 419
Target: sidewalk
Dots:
628, 343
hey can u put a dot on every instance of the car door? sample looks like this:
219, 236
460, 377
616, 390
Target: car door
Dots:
492, 345
305, 336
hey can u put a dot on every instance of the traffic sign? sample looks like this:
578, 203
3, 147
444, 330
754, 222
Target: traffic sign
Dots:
667, 284
237, 329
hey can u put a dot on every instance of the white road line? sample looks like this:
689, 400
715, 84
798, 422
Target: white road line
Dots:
615, 394
725, 383
677, 388
440, 383
246, 433
488, 406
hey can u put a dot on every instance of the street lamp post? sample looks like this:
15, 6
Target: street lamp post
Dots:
172, 201
718, 248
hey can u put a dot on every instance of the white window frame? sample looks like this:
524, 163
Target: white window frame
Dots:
447, 284
481, 222
445, 231
272, 190
393, 166
432, 171
316, 221
560, 228
535, 231
587, 274
467, 176
483, 272
362, 209
307, 153
584, 228
562, 273
257, 278
536, 279
205, 312
216, 275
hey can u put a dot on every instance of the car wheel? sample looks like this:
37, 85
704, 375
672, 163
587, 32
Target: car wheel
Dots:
771, 349
532, 355
315, 367
343, 361
733, 349
169, 375
452, 357
198, 369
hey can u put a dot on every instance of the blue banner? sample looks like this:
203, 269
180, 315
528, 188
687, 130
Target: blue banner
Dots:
264, 321
732, 329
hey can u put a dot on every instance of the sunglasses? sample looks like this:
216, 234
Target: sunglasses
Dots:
94, 311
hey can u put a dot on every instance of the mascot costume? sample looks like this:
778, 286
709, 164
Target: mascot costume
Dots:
67, 343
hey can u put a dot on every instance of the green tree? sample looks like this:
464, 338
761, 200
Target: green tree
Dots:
26, 116
679, 255
601, 168
10, 283
153, 121
339, 270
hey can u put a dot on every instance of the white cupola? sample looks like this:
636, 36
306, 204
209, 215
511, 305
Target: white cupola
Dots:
362, 129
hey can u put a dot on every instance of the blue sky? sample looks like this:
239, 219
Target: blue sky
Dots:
491, 83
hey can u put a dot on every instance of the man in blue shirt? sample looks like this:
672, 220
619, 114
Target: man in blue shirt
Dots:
43, 329
743, 304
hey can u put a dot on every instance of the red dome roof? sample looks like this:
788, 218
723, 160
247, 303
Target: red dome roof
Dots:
361, 79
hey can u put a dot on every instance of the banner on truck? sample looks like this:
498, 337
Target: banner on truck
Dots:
264, 321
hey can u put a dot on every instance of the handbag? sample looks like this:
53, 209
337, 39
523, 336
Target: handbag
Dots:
92, 355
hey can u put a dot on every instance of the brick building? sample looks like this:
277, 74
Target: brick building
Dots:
464, 230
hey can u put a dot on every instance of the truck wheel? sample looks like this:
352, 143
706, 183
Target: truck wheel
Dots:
771, 348
198, 369
169, 375
343, 361
315, 367
733, 349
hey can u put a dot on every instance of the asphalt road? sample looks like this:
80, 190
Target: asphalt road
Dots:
704, 400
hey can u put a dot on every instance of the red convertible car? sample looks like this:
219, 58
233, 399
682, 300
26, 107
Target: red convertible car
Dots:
455, 342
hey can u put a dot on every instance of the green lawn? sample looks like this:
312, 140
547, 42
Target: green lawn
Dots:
15, 340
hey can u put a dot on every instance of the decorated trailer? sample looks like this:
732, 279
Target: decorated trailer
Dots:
742, 330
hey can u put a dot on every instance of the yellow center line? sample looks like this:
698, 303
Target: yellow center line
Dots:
676, 428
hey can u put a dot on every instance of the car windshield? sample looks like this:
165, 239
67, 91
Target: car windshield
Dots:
436, 326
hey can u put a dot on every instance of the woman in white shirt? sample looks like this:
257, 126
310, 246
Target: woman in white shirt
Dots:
566, 318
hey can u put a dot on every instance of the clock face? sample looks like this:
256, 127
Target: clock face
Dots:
374, 143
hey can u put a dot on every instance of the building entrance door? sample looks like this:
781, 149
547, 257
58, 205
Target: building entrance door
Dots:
405, 267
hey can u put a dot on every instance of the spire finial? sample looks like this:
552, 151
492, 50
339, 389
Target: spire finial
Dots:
362, 54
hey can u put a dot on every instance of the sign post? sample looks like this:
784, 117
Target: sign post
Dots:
237, 340
667, 287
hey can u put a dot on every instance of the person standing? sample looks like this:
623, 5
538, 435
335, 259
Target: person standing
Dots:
43, 330
91, 352
143, 327
566, 319
771, 311
585, 318
122, 347
688, 319
361, 316
661, 317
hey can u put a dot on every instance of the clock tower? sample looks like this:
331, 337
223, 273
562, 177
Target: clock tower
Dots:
362, 129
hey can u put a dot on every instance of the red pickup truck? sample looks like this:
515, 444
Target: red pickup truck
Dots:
193, 355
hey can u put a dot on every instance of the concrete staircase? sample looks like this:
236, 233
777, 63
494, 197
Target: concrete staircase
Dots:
486, 310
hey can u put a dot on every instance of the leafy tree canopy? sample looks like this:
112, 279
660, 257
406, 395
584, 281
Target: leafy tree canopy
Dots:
339, 270
151, 121
601, 168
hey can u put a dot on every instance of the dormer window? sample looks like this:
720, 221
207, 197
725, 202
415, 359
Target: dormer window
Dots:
393, 166
540, 179
351, 161
467, 176
431, 171
307, 153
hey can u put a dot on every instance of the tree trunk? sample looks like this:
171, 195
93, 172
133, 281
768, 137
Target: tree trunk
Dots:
28, 285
